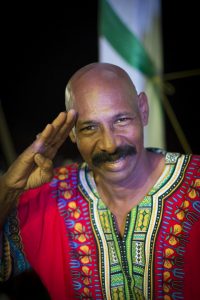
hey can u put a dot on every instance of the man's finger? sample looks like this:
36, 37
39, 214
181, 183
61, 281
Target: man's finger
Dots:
44, 138
51, 137
44, 163
60, 133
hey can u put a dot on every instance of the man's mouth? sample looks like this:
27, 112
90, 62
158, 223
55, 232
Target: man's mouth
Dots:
112, 158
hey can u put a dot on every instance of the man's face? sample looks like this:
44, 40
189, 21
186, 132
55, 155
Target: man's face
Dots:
109, 129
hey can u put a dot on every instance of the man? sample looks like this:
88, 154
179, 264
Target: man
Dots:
122, 225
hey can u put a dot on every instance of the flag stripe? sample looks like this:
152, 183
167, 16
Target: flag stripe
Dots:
124, 41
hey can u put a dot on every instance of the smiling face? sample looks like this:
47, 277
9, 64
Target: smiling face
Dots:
110, 120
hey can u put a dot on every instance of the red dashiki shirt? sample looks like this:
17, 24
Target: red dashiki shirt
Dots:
65, 232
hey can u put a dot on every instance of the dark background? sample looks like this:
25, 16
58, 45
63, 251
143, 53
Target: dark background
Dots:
40, 48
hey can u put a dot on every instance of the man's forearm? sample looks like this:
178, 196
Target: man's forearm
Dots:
8, 198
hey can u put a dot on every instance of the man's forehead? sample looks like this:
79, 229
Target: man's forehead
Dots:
95, 81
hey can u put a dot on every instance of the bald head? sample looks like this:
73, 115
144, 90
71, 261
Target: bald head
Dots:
96, 77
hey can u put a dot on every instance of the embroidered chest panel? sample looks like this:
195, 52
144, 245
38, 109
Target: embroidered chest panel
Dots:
105, 266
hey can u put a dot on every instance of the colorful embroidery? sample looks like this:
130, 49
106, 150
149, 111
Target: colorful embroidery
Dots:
130, 274
124, 258
179, 212
75, 210
13, 257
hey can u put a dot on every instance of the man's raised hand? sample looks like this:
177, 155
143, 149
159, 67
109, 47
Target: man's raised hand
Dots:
34, 166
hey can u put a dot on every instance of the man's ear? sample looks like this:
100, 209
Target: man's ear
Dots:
144, 108
72, 135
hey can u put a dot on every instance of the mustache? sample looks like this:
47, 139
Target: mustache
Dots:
120, 152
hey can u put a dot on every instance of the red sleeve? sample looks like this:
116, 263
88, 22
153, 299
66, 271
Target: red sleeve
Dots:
44, 238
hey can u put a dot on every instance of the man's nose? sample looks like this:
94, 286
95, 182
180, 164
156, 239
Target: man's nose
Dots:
108, 141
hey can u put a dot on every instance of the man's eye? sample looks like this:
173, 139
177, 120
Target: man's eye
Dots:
88, 128
122, 120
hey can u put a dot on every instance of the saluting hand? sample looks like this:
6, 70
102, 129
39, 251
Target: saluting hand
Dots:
34, 166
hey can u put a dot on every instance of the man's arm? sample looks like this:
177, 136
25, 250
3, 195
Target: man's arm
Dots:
34, 166
8, 198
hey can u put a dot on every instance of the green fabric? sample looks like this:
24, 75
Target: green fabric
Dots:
124, 41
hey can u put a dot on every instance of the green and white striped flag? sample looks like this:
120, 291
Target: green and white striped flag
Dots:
130, 36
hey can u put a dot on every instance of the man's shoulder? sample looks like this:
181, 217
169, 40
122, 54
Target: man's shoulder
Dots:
195, 158
172, 153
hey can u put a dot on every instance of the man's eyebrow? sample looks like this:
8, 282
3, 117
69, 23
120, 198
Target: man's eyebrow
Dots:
123, 114
87, 122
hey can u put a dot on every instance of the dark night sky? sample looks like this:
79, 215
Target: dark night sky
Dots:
40, 50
